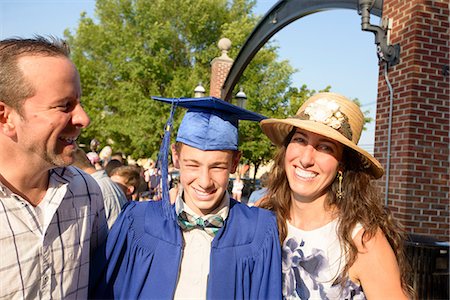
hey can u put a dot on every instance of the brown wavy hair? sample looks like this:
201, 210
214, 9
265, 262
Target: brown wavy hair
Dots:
361, 203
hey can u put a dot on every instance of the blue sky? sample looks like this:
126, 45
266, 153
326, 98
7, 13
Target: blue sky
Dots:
327, 48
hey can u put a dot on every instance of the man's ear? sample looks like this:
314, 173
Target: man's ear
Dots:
235, 161
6, 124
175, 156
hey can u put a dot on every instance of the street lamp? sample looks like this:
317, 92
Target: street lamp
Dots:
241, 98
199, 91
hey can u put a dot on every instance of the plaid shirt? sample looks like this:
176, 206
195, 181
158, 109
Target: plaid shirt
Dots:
51, 261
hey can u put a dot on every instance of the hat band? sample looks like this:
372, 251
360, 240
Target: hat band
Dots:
343, 129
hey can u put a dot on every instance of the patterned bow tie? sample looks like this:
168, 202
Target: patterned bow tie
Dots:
210, 225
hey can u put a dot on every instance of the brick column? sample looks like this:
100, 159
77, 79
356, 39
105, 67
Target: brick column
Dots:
220, 66
419, 171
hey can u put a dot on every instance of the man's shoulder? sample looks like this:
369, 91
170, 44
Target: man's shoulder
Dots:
69, 173
78, 180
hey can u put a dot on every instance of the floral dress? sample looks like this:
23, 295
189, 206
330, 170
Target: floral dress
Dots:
312, 262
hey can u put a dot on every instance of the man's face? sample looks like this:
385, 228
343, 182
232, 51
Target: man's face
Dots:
204, 176
51, 120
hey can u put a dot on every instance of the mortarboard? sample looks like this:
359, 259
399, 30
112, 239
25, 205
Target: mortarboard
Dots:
209, 124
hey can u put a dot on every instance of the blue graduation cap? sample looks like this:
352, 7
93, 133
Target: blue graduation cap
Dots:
209, 124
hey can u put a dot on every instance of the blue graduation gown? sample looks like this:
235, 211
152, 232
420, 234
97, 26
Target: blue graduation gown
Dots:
143, 254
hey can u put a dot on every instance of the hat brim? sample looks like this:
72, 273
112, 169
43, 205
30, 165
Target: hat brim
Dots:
278, 129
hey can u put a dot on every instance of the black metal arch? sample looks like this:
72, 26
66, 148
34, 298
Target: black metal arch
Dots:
280, 15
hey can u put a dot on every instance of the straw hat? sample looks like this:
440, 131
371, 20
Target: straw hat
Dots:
332, 116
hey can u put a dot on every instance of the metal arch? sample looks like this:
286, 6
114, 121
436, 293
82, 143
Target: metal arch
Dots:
280, 15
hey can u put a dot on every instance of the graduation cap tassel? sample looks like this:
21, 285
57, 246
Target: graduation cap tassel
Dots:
163, 163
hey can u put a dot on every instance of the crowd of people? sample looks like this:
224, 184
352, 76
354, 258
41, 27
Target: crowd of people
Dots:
70, 227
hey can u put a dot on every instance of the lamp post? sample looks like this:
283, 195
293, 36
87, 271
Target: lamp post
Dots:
199, 91
241, 98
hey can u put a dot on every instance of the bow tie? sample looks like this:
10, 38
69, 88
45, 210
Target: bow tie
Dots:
210, 225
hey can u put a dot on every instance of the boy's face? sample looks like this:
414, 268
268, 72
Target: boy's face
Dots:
204, 175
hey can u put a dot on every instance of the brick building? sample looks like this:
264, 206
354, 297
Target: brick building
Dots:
418, 182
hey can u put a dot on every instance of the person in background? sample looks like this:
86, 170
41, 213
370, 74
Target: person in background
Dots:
198, 247
94, 159
259, 194
93, 156
93, 145
154, 185
142, 192
238, 186
105, 155
113, 196
51, 214
128, 178
118, 156
111, 165
338, 240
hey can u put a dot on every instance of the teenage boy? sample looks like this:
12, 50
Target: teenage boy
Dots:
201, 246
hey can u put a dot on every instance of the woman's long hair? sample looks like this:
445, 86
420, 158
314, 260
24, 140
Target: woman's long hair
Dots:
361, 203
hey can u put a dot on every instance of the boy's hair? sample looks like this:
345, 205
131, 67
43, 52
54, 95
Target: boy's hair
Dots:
131, 174
178, 146
112, 165
13, 86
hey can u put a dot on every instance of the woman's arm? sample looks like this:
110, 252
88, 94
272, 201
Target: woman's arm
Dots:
376, 268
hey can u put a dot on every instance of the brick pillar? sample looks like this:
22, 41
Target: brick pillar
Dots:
419, 171
220, 66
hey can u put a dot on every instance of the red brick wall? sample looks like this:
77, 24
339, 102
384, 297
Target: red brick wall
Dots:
219, 72
419, 170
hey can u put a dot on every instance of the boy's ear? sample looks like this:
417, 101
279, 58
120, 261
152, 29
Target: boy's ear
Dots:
175, 156
6, 124
235, 163
130, 190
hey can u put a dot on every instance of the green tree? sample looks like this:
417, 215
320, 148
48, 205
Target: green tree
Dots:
134, 49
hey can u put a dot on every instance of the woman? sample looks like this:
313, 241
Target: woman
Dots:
238, 186
338, 241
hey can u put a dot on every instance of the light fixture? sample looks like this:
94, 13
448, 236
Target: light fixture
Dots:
241, 98
199, 91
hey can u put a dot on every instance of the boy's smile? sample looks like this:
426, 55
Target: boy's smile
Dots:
204, 176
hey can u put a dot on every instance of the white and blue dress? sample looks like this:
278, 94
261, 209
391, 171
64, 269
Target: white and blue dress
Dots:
312, 263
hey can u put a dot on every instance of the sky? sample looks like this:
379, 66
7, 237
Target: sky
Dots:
327, 48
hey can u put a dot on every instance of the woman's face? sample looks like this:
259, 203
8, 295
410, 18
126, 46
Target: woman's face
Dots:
311, 164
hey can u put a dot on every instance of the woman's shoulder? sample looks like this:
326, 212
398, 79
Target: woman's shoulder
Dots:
376, 266
366, 242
